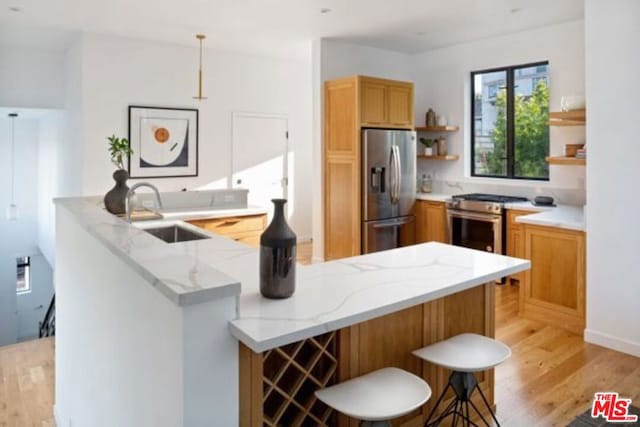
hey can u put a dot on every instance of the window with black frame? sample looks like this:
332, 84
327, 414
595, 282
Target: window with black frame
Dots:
509, 130
23, 275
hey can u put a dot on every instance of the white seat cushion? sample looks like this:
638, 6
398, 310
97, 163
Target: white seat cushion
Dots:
466, 353
377, 396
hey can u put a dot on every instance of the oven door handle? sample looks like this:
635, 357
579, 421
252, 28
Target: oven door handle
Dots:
475, 216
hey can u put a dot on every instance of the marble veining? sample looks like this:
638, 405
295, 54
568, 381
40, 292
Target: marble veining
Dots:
337, 294
182, 278
328, 296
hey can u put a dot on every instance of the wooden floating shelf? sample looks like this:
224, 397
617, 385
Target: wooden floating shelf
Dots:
568, 118
568, 161
437, 128
447, 157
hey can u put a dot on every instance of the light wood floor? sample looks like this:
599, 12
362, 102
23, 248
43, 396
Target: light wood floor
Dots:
553, 374
549, 380
27, 384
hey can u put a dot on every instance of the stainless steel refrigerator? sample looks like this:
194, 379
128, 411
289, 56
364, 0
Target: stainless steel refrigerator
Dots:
388, 188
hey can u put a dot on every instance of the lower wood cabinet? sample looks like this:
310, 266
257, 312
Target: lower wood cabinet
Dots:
553, 290
431, 222
244, 229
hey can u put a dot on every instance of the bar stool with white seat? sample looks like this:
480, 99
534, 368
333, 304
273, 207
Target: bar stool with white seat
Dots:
377, 397
464, 354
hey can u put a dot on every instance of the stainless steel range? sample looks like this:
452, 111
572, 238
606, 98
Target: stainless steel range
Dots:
477, 221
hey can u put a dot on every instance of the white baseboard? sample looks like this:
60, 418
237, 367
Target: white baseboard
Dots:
614, 343
304, 239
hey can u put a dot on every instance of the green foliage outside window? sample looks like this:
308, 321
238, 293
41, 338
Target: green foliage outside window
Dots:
531, 134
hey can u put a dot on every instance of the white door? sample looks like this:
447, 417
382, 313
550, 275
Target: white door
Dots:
259, 157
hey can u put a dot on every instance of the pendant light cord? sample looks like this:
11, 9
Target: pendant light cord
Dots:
13, 159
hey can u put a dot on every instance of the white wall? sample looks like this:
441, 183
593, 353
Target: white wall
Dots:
18, 237
116, 73
613, 274
50, 137
442, 82
31, 78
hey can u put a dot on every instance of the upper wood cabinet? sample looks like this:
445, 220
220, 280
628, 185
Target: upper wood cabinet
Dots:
431, 222
351, 104
386, 103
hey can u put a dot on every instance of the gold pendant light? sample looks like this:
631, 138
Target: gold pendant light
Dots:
200, 37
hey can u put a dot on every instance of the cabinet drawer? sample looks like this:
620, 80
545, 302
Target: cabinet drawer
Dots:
251, 238
233, 225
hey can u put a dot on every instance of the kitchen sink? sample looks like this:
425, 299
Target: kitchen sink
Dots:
175, 234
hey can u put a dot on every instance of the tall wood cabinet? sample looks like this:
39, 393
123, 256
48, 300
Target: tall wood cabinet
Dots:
351, 104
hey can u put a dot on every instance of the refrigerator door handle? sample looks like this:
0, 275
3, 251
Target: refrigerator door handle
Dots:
395, 175
398, 172
395, 223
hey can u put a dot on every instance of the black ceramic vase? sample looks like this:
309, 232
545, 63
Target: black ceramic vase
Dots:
278, 256
114, 200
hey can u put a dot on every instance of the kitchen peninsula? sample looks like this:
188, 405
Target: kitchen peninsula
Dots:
177, 334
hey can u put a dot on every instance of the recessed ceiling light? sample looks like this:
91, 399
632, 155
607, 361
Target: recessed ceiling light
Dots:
325, 10
515, 10
14, 9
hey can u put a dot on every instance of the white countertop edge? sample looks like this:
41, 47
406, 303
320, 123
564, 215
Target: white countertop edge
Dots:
319, 329
197, 296
555, 223
433, 197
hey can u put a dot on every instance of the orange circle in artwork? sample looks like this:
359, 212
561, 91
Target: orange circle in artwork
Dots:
161, 135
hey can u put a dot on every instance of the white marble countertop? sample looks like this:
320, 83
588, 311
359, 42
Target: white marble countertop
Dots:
562, 216
328, 296
433, 197
180, 274
337, 294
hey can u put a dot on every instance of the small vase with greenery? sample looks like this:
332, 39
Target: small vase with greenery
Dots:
428, 146
119, 150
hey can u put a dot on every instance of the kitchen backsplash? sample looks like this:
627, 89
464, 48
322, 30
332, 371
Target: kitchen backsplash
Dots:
561, 195
219, 199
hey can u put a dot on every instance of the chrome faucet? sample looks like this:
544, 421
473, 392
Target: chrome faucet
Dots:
131, 192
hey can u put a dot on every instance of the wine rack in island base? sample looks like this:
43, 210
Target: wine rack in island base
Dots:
277, 387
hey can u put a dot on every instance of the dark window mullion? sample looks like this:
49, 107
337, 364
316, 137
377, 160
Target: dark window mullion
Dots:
511, 123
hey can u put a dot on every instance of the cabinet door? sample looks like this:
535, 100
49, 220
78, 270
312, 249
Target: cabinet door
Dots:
400, 106
437, 222
342, 208
554, 288
431, 222
373, 103
515, 240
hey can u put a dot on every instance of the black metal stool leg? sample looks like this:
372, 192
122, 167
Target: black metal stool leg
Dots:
488, 407
463, 385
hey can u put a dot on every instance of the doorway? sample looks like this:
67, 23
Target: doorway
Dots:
260, 157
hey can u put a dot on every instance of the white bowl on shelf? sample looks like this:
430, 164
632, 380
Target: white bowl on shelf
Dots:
573, 102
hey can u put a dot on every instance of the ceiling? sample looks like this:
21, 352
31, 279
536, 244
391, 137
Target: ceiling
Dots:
281, 27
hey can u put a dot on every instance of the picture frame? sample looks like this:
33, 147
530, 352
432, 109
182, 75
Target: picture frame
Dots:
164, 141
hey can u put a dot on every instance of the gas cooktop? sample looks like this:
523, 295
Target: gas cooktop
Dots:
491, 198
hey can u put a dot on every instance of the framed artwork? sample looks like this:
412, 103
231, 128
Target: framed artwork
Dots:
164, 142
